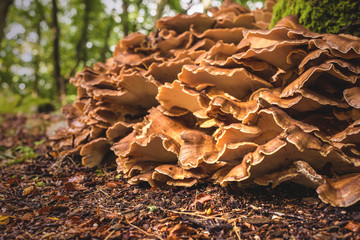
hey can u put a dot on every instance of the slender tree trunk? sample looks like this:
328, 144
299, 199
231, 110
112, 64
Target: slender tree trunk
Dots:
105, 48
160, 8
4, 9
37, 59
125, 17
81, 45
59, 82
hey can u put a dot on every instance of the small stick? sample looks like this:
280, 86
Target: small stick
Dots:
109, 235
143, 231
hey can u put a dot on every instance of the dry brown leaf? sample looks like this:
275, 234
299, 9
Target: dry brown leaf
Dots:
29, 190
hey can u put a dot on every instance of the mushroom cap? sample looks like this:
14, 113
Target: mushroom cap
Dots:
301, 172
350, 135
181, 22
352, 96
245, 20
224, 79
197, 147
232, 35
342, 45
205, 98
94, 152
178, 95
118, 130
173, 68
313, 74
284, 54
341, 192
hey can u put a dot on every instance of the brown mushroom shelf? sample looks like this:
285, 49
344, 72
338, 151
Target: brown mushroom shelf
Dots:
224, 99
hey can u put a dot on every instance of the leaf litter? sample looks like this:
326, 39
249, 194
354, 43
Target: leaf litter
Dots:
48, 198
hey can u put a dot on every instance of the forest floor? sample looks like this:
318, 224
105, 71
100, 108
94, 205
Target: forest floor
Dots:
42, 197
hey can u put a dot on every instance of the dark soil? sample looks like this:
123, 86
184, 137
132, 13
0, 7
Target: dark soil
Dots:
42, 197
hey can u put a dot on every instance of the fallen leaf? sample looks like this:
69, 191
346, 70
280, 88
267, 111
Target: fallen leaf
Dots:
12, 181
4, 220
53, 218
112, 184
180, 230
26, 217
61, 198
353, 226
201, 198
70, 186
29, 190
54, 154
73, 220
45, 209
77, 178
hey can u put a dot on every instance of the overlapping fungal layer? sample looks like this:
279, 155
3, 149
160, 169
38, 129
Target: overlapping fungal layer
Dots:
223, 99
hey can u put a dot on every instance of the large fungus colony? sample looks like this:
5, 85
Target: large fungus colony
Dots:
224, 99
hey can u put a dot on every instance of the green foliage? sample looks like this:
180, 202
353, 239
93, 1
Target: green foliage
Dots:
16, 155
38, 143
175, 5
325, 16
151, 208
99, 172
26, 68
40, 184
16, 102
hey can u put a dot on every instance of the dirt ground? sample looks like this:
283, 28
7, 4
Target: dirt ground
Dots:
42, 197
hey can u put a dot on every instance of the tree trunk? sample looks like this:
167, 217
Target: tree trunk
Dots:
59, 82
125, 17
105, 48
37, 59
81, 52
4, 9
160, 8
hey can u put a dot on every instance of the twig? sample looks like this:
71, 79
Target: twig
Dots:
143, 231
285, 215
48, 235
193, 214
138, 228
109, 235
237, 231
104, 192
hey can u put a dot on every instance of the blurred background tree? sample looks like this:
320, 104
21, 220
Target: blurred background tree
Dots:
45, 42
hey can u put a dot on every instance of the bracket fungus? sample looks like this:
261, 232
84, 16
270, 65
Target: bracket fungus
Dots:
224, 99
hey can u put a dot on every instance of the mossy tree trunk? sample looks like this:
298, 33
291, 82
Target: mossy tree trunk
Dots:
322, 16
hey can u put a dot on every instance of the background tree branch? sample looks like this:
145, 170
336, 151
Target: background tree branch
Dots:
4, 9
59, 82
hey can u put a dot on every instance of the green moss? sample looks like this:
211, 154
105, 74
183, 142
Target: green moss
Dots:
322, 16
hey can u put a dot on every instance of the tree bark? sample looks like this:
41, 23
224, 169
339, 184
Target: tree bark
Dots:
59, 81
40, 14
125, 17
4, 9
105, 48
160, 8
81, 52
